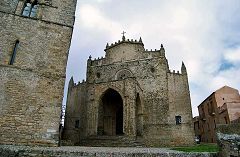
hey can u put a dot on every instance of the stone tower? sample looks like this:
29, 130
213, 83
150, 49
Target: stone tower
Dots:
130, 94
35, 37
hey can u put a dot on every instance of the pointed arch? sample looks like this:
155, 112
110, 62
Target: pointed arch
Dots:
110, 113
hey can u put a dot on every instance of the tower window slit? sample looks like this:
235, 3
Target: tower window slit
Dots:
178, 120
14, 52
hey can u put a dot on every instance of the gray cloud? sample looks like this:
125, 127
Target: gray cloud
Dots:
200, 33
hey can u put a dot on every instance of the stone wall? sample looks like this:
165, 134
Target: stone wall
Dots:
228, 137
8, 5
9, 151
29, 114
152, 95
32, 87
76, 95
43, 47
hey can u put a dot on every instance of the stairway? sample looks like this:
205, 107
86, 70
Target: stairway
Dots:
112, 141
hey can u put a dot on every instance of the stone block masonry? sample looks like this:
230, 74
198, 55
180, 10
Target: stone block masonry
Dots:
31, 84
228, 136
130, 94
9, 151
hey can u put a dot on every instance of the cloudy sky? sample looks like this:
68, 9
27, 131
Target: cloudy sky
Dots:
204, 34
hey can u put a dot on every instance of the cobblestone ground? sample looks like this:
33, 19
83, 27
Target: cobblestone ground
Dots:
75, 151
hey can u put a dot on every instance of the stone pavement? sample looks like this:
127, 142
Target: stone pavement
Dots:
77, 151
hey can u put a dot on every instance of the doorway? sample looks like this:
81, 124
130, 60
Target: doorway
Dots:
110, 114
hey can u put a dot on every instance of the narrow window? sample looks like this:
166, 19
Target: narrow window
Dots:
214, 124
209, 110
77, 124
178, 120
34, 9
27, 8
226, 121
30, 8
98, 75
14, 52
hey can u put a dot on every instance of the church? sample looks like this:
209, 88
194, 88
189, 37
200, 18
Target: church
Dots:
130, 98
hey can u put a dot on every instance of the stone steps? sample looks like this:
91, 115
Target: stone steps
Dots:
76, 151
111, 141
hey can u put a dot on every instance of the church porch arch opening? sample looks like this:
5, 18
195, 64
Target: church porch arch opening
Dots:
110, 114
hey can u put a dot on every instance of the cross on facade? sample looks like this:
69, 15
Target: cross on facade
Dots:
123, 33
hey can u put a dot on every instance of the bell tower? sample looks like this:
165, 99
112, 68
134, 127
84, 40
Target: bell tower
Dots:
35, 37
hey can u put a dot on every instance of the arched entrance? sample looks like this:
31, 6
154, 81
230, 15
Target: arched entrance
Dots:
110, 117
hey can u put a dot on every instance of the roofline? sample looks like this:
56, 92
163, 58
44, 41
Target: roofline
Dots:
206, 98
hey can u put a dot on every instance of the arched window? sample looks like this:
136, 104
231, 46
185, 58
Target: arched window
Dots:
123, 74
30, 8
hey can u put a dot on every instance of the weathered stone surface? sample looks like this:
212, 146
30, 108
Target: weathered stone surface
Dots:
150, 94
229, 139
10, 151
32, 87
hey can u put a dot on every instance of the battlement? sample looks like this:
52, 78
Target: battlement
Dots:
126, 50
80, 82
124, 40
174, 72
155, 52
183, 71
96, 61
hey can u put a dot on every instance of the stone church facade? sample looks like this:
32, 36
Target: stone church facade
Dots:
35, 37
130, 94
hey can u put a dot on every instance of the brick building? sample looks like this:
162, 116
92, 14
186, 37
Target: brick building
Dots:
221, 107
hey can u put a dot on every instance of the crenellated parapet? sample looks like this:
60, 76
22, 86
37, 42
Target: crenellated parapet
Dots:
96, 61
127, 41
156, 52
126, 50
72, 84
183, 71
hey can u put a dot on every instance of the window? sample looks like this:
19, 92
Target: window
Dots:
30, 8
210, 107
178, 120
98, 75
209, 110
226, 121
14, 53
196, 125
152, 69
77, 124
